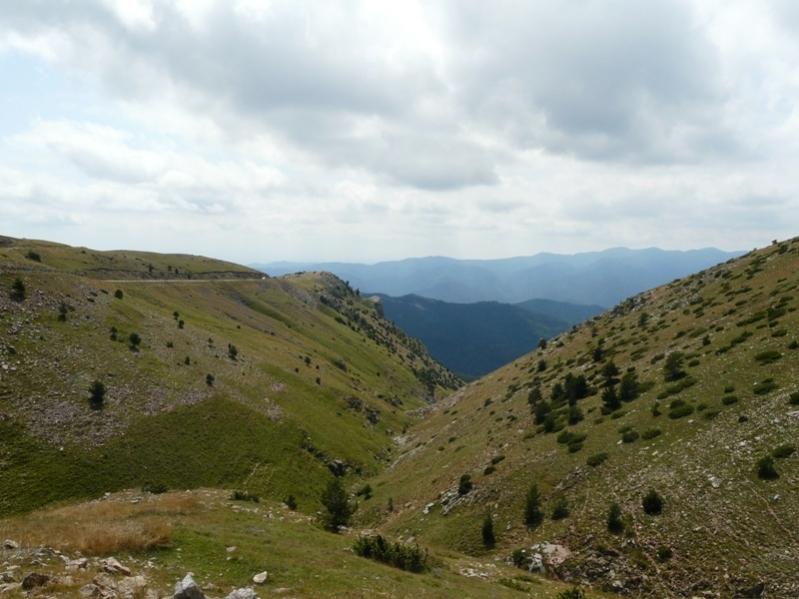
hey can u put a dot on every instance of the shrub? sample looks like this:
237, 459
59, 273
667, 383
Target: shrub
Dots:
615, 523
767, 357
209, 379
765, 468
154, 488
489, 470
630, 436
597, 459
652, 503
465, 484
405, 557
96, 395
680, 409
728, 400
18, 290
793, 399
35, 256
339, 509
664, 554
487, 531
672, 368
532, 507
181, 323
765, 386
232, 352
561, 509
365, 492
118, 294
573, 593
134, 341
518, 557
783, 451
290, 502
244, 496
650, 433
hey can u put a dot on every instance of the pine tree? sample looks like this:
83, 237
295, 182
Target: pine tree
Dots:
18, 291
96, 395
532, 507
629, 390
652, 503
610, 399
489, 540
561, 509
615, 523
672, 369
339, 509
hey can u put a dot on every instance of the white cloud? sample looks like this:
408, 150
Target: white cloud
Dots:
368, 129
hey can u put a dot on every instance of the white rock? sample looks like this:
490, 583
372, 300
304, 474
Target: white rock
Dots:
187, 589
261, 577
245, 593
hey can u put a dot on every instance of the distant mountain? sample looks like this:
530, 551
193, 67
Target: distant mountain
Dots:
566, 311
603, 278
474, 339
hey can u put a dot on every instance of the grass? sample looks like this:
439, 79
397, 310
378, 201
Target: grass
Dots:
161, 423
681, 448
298, 555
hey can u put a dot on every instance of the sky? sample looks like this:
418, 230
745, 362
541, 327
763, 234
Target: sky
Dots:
258, 130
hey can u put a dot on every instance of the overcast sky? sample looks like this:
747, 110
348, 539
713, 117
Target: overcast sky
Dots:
259, 130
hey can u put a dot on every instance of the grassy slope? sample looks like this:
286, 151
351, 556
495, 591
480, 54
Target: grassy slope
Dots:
302, 560
265, 418
726, 528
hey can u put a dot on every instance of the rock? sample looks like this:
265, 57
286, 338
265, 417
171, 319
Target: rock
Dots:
132, 587
89, 590
188, 589
9, 544
112, 566
76, 564
33, 580
261, 577
10, 587
245, 593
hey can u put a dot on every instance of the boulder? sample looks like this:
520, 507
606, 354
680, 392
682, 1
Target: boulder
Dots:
261, 577
132, 587
33, 580
188, 589
112, 566
9, 544
245, 593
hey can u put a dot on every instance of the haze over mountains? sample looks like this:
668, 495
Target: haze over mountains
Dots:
605, 277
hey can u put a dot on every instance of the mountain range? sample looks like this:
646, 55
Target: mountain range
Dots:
473, 339
604, 278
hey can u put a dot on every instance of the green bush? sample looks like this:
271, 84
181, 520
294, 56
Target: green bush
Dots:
765, 386
405, 557
244, 496
793, 399
18, 291
35, 256
630, 436
679, 409
650, 433
767, 357
728, 400
615, 522
652, 503
154, 488
118, 294
783, 451
561, 509
664, 554
765, 468
597, 459
465, 484
290, 502
573, 593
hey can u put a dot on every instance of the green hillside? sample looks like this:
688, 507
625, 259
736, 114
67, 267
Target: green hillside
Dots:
220, 382
707, 399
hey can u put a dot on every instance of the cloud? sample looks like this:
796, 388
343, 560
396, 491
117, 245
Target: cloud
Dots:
418, 127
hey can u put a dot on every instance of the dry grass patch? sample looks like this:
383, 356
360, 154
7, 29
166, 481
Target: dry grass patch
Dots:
103, 527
